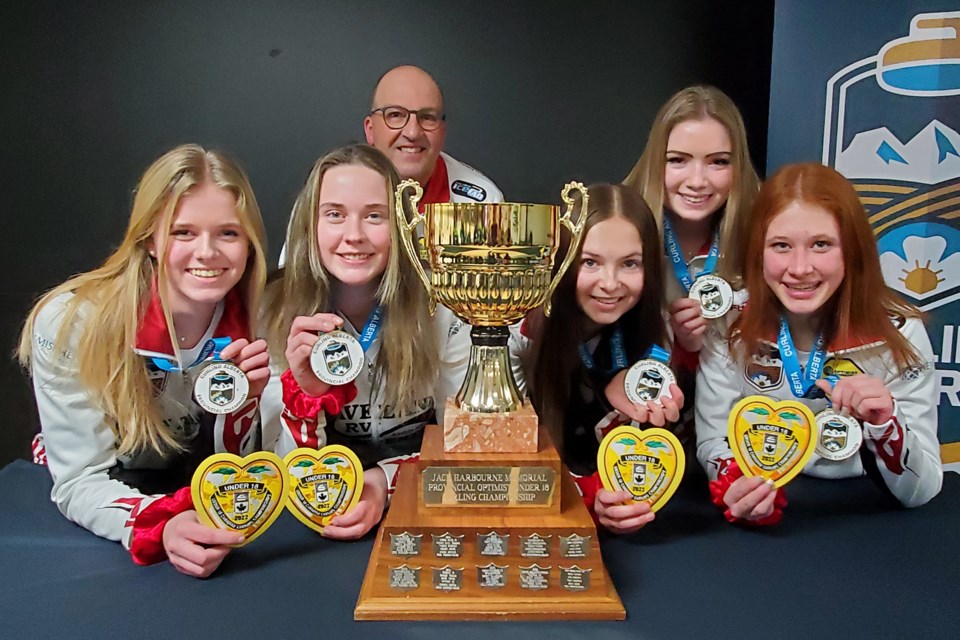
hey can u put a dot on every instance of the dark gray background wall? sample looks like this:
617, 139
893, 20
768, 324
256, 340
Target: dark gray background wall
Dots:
537, 93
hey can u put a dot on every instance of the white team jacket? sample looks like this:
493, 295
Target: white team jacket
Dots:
81, 447
906, 448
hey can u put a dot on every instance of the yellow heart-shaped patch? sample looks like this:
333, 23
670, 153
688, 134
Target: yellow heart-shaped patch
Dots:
240, 494
323, 484
771, 439
649, 464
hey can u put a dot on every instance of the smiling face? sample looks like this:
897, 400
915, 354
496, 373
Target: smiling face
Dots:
353, 224
412, 150
610, 276
206, 252
803, 259
698, 173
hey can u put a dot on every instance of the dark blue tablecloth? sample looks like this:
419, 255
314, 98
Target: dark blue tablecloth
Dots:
845, 563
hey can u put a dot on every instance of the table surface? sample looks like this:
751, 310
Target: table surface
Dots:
844, 563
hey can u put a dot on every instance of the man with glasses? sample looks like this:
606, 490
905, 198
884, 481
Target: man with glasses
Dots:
406, 122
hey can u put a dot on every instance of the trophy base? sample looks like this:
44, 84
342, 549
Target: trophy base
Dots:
486, 564
473, 432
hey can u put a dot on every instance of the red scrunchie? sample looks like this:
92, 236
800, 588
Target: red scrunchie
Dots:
589, 486
302, 405
729, 472
147, 544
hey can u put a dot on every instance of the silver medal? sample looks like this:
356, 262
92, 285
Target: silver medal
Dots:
337, 358
838, 436
714, 294
221, 387
648, 381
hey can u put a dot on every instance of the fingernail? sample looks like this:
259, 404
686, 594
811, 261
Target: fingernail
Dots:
769, 482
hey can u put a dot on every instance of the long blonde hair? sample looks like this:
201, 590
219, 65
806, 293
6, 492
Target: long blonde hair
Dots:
647, 176
116, 295
406, 368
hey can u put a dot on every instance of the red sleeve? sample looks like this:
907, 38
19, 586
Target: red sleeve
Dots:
146, 547
728, 474
588, 487
304, 406
683, 359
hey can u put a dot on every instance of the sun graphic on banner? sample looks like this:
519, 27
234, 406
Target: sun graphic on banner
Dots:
921, 267
923, 279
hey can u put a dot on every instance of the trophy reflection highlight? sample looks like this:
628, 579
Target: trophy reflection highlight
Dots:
490, 263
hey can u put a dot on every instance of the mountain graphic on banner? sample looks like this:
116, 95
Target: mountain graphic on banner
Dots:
931, 156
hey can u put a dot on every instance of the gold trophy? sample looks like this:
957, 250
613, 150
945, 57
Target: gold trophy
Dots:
488, 523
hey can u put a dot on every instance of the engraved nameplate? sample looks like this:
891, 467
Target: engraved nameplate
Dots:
489, 486
574, 578
404, 577
535, 546
405, 544
574, 546
534, 577
447, 579
492, 544
447, 546
492, 576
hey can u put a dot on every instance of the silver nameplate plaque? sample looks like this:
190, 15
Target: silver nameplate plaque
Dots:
492, 544
574, 578
534, 577
404, 578
447, 545
447, 579
405, 544
492, 576
574, 546
535, 546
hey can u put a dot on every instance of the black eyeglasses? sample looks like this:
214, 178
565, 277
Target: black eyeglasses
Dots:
397, 117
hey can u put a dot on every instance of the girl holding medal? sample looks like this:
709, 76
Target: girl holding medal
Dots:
696, 175
368, 366
607, 314
115, 352
821, 327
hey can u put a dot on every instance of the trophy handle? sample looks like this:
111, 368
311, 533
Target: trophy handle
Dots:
406, 227
576, 231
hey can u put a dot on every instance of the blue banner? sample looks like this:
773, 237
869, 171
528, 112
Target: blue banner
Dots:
874, 91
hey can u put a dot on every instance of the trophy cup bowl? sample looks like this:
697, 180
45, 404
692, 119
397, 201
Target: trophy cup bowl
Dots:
490, 263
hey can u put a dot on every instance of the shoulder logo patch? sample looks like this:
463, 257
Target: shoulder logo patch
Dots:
468, 190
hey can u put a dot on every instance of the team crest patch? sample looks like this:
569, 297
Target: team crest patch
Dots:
239, 494
841, 367
648, 464
771, 439
468, 190
764, 370
323, 485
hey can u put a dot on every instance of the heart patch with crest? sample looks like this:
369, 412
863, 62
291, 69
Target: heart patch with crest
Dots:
323, 484
770, 438
649, 463
239, 494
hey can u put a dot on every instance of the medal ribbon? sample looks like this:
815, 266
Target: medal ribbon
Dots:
617, 353
676, 258
372, 328
658, 353
802, 383
211, 350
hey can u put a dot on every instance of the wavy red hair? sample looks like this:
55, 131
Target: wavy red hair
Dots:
862, 307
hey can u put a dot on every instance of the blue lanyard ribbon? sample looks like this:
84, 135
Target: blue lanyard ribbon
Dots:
210, 350
658, 353
617, 353
372, 328
676, 258
802, 383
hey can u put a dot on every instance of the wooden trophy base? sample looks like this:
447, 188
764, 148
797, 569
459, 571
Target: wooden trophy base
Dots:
515, 560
